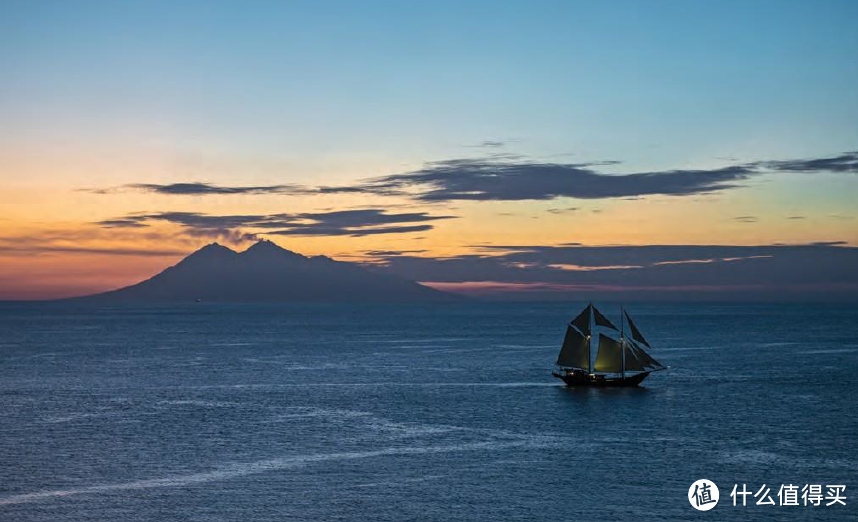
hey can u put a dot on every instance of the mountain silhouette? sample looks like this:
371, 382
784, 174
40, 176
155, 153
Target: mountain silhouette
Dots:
267, 272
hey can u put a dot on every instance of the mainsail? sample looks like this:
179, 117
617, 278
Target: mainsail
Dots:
610, 356
632, 363
575, 352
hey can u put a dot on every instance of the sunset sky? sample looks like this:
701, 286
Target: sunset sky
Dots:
425, 136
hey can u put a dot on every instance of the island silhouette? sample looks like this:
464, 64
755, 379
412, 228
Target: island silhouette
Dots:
268, 272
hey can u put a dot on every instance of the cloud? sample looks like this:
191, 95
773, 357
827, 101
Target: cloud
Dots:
122, 223
130, 241
51, 249
565, 266
562, 210
508, 180
367, 217
846, 162
744, 272
796, 217
385, 253
199, 188
489, 144
320, 230
544, 291
354, 223
829, 243
746, 219
224, 228
30, 246
511, 177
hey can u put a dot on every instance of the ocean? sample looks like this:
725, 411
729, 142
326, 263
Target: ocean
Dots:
447, 412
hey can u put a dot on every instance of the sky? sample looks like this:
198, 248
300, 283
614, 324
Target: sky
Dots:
507, 140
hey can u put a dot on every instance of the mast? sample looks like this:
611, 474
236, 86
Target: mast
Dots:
623, 338
589, 341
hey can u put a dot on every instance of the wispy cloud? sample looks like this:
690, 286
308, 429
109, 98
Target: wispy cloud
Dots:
489, 144
566, 210
385, 253
34, 246
746, 219
319, 229
236, 228
847, 162
123, 223
200, 188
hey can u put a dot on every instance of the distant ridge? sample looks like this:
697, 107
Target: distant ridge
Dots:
267, 272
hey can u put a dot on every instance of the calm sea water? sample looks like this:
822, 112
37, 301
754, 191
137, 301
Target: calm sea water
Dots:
445, 412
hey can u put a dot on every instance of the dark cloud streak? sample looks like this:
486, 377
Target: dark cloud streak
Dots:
847, 162
200, 188
319, 230
826, 268
492, 180
511, 177
354, 223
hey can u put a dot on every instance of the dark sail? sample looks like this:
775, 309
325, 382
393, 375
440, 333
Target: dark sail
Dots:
632, 362
574, 352
646, 358
610, 356
620, 361
582, 322
636, 334
601, 320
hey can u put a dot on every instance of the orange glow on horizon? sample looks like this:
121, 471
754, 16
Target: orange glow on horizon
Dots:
51, 245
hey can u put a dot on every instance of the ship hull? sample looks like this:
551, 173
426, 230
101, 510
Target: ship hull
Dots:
585, 379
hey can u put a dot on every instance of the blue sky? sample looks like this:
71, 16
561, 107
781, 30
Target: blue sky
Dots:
651, 83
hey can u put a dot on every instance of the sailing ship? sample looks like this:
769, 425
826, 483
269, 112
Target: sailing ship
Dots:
622, 362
